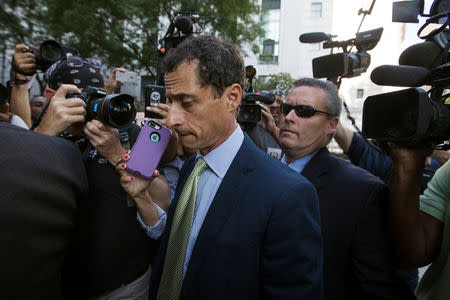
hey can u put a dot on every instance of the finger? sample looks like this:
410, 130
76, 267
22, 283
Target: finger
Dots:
26, 66
74, 102
123, 70
75, 111
163, 106
72, 119
25, 58
157, 110
92, 129
20, 48
63, 89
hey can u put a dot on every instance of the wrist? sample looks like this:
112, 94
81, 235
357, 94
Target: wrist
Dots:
18, 80
116, 158
43, 130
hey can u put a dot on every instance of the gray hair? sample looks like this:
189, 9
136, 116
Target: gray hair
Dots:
333, 103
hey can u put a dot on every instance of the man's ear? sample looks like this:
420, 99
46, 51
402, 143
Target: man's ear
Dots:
233, 95
49, 93
332, 125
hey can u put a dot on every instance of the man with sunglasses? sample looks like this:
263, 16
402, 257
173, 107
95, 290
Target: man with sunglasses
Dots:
357, 263
111, 254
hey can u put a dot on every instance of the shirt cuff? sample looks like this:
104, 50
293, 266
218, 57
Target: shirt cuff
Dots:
156, 230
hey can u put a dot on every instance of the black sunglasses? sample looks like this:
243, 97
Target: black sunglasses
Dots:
303, 111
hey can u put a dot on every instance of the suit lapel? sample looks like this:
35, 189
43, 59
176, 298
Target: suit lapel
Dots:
316, 167
230, 191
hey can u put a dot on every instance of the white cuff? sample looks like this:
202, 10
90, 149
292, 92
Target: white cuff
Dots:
156, 230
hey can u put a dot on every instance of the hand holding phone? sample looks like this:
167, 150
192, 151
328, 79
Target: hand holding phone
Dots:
148, 149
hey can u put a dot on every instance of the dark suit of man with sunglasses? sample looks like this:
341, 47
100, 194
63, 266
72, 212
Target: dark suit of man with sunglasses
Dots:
357, 262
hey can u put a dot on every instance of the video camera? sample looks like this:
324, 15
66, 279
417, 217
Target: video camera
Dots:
115, 110
414, 116
250, 111
346, 64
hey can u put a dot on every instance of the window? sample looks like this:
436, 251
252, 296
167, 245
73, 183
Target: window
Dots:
270, 4
316, 9
269, 54
359, 93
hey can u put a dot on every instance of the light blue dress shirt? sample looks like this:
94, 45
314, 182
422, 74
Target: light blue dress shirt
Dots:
219, 161
299, 164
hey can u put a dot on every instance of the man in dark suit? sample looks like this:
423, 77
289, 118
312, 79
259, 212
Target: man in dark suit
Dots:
357, 262
42, 181
250, 226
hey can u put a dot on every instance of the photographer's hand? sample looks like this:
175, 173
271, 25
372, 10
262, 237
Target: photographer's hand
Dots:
162, 109
112, 84
61, 112
25, 61
268, 123
105, 139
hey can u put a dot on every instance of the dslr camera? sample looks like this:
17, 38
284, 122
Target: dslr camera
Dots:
116, 110
414, 116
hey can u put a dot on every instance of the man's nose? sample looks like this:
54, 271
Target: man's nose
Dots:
174, 117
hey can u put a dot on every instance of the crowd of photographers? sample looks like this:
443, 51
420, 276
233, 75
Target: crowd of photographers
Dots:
78, 225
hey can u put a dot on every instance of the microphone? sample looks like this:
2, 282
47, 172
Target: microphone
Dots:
408, 76
314, 37
184, 24
426, 54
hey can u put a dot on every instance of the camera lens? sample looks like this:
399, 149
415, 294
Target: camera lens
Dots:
50, 52
155, 137
120, 111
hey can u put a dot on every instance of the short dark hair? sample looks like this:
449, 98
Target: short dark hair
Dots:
333, 103
219, 63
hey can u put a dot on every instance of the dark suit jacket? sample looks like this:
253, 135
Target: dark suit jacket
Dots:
357, 260
260, 238
41, 180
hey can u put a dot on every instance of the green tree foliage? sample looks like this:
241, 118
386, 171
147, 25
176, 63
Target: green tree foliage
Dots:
274, 81
126, 33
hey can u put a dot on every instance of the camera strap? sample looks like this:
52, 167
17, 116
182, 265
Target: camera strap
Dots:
124, 138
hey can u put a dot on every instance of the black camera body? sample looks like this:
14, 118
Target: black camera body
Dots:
250, 111
116, 110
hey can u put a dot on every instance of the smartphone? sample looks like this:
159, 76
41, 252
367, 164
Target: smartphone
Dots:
154, 94
148, 149
127, 76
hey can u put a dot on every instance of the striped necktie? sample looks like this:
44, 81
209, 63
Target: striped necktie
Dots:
172, 275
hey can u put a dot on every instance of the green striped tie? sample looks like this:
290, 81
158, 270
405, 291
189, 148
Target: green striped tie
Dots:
172, 275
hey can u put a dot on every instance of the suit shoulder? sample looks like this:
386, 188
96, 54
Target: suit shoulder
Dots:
351, 173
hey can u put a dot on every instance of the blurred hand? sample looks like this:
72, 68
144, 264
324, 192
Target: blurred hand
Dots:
112, 84
162, 109
268, 123
25, 61
61, 112
105, 139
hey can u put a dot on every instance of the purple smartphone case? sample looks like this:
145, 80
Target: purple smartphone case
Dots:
146, 153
